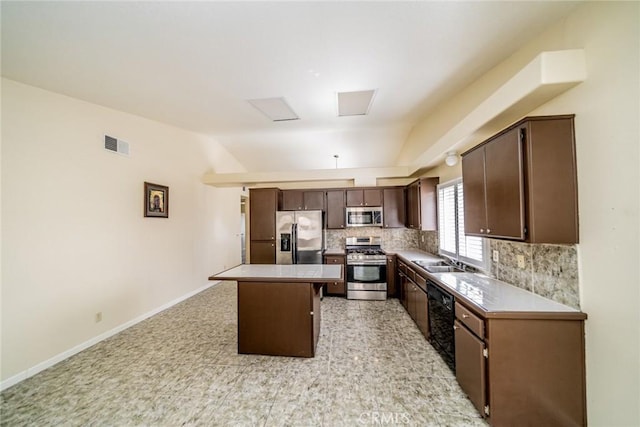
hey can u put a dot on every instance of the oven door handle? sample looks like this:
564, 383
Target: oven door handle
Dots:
365, 263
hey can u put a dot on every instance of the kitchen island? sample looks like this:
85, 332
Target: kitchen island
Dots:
279, 306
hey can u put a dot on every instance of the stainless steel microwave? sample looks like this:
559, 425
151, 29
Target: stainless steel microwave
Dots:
370, 216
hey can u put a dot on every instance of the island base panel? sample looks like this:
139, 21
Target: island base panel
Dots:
276, 318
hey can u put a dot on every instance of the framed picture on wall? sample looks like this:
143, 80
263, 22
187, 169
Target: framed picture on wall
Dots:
156, 200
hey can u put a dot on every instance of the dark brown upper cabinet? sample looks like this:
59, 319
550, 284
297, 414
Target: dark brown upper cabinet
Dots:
364, 197
421, 202
521, 183
335, 209
393, 207
314, 200
495, 188
292, 200
302, 200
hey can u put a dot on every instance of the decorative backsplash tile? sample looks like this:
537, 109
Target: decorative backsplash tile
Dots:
429, 241
555, 273
392, 238
506, 269
549, 270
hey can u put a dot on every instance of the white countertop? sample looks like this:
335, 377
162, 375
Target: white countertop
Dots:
297, 272
490, 295
495, 296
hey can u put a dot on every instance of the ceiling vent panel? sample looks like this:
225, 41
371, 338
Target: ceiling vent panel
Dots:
276, 109
116, 145
355, 103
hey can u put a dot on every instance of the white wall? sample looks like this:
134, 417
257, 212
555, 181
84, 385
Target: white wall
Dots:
607, 108
74, 238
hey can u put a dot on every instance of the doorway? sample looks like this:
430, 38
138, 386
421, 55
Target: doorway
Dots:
244, 218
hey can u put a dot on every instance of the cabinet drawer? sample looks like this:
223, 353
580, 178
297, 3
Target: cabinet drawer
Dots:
421, 281
333, 259
411, 275
470, 320
335, 288
402, 267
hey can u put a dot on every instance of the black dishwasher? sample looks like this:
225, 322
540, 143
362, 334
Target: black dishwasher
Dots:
441, 318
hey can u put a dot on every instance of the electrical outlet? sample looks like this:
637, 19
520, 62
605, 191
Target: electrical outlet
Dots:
99, 317
496, 256
422, 238
520, 259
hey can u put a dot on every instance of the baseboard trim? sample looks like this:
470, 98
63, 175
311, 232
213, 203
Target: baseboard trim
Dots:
95, 340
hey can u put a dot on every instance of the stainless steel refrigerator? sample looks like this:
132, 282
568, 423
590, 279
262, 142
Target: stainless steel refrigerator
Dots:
299, 237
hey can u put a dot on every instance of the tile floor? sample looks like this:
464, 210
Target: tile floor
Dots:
180, 367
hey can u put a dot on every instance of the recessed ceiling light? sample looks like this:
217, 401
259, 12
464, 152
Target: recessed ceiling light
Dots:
275, 109
355, 103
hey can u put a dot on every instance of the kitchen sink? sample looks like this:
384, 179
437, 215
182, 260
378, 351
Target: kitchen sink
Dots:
442, 269
437, 266
424, 263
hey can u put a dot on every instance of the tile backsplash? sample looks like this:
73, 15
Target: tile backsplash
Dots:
392, 238
548, 270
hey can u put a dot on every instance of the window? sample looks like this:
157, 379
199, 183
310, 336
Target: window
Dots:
453, 242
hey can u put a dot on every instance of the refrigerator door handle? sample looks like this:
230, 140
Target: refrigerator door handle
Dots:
294, 243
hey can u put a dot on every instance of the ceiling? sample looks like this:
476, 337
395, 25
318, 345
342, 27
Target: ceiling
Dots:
194, 65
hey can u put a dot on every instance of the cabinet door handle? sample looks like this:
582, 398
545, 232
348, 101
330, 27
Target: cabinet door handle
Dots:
482, 230
455, 327
464, 315
488, 230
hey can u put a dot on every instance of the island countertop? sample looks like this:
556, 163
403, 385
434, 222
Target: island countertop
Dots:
316, 273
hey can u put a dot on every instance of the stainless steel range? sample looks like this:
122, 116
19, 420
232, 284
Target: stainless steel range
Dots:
366, 269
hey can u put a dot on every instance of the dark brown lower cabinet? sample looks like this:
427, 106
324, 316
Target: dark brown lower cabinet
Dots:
403, 294
470, 365
414, 298
262, 252
536, 372
522, 368
336, 288
391, 276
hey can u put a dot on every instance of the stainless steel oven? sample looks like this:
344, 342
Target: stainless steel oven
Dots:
366, 269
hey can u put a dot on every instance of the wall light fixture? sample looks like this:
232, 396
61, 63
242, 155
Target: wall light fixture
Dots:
452, 158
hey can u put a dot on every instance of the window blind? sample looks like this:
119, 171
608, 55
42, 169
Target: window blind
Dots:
470, 247
447, 219
452, 240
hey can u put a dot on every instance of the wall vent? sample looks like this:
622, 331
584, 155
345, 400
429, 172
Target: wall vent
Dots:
116, 145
